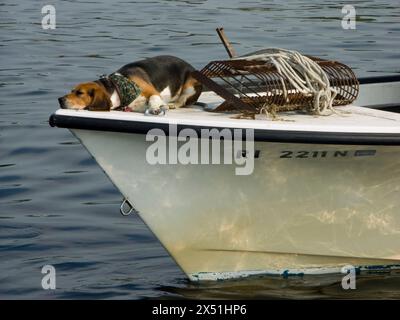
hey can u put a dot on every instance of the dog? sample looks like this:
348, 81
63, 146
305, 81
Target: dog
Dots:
150, 85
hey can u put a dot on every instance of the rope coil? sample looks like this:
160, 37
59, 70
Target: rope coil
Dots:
304, 74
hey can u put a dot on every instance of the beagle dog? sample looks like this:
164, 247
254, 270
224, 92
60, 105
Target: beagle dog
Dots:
150, 85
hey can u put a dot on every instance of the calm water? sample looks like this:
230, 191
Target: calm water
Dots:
56, 205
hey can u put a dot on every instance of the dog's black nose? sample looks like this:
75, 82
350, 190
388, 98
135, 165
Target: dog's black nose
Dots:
61, 101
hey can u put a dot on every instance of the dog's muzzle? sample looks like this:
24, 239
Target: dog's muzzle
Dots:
62, 103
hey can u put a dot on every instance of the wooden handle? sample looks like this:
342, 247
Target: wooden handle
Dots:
226, 43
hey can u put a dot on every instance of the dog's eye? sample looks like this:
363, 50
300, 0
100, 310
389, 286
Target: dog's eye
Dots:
78, 93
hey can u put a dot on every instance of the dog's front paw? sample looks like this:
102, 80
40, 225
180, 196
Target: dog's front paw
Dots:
157, 111
156, 106
153, 111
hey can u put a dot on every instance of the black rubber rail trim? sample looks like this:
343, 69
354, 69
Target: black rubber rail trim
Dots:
381, 79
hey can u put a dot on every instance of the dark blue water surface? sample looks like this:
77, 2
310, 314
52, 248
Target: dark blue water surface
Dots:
56, 205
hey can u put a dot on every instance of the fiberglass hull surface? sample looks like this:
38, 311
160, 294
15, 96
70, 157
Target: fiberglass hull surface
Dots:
308, 208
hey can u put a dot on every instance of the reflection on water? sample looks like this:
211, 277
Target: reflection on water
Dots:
376, 286
56, 205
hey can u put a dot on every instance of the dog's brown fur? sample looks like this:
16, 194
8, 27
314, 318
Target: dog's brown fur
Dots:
89, 95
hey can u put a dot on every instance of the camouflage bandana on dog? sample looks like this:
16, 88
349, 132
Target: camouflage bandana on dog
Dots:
126, 88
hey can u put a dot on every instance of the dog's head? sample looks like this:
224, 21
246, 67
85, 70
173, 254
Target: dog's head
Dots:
90, 95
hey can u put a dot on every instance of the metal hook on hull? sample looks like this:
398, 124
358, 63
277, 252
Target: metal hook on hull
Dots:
131, 208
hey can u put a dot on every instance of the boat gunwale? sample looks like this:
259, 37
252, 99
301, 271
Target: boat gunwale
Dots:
266, 135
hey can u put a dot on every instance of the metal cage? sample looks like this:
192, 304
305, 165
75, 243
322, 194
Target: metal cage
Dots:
249, 85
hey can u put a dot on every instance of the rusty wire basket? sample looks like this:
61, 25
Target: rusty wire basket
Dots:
249, 85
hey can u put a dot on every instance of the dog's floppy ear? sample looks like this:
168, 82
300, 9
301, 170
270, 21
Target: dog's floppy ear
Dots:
99, 100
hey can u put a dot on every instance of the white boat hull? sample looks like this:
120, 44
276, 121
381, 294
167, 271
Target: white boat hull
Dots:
324, 192
298, 214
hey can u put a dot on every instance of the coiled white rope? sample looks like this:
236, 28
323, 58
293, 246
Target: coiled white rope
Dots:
304, 74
